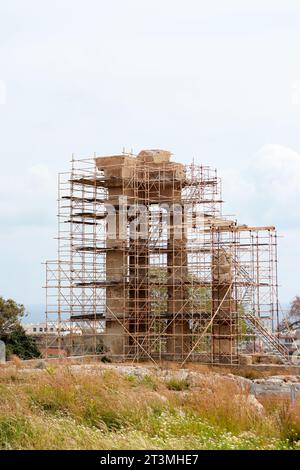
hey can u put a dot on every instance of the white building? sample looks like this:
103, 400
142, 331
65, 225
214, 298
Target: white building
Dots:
50, 328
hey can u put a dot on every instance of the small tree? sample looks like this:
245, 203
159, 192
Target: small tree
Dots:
12, 333
19, 343
295, 307
10, 315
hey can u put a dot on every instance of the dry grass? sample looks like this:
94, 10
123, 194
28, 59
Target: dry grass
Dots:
57, 408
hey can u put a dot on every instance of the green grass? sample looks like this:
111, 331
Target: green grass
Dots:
59, 409
177, 385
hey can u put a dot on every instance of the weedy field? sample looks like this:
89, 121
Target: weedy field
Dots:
62, 407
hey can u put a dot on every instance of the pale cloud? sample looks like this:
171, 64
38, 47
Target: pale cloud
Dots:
267, 189
276, 170
28, 198
22, 251
27, 227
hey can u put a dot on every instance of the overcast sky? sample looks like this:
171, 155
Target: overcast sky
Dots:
214, 80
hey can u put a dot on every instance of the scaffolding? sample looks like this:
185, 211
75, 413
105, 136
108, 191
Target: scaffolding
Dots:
149, 268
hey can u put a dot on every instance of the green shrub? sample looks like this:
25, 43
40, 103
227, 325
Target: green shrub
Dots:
177, 385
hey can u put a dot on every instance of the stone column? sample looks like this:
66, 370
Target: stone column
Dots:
224, 324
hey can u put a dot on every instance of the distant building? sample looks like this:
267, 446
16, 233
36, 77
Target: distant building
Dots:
59, 339
52, 328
